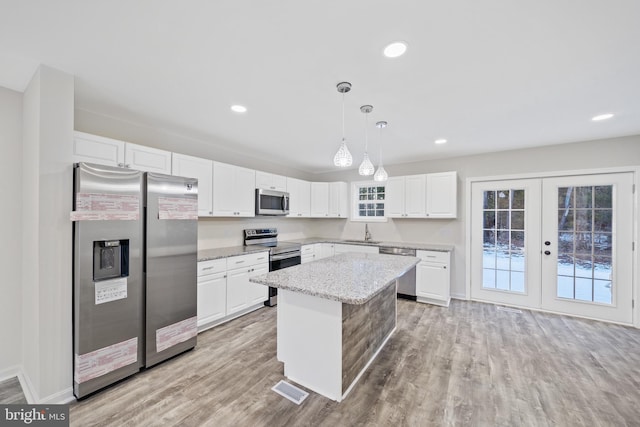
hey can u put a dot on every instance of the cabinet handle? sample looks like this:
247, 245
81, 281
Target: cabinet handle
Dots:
239, 262
444, 266
207, 268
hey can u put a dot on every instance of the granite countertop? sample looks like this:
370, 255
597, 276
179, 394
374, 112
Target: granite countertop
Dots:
209, 254
352, 278
403, 245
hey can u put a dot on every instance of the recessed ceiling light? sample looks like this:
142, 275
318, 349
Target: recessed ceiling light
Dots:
239, 108
602, 117
440, 141
395, 49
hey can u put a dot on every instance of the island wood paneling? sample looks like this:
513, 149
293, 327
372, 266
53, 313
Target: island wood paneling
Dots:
364, 329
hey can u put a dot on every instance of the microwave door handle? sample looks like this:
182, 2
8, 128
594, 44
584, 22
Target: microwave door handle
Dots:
283, 203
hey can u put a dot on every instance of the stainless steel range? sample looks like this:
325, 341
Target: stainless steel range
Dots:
281, 254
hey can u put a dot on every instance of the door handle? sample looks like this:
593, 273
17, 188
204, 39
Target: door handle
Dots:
547, 252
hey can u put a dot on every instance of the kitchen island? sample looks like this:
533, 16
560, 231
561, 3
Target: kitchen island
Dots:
334, 316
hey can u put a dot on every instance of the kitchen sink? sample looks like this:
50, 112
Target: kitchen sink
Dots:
364, 242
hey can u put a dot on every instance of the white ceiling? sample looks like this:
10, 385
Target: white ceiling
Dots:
487, 75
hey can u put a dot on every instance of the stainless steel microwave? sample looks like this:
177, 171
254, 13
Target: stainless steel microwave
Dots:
270, 202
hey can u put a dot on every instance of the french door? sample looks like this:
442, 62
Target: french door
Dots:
561, 244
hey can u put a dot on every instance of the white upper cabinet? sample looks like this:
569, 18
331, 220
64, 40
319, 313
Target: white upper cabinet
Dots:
98, 149
233, 190
299, 198
442, 195
320, 199
338, 200
147, 159
329, 200
405, 196
202, 170
432, 195
111, 152
269, 181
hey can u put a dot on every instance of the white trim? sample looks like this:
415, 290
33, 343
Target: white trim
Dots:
574, 172
28, 388
353, 202
10, 372
532, 175
59, 398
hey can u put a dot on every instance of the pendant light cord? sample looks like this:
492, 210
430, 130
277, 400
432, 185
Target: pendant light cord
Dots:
366, 135
342, 116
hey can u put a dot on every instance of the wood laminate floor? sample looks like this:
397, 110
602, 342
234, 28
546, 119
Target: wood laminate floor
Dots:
468, 365
11, 392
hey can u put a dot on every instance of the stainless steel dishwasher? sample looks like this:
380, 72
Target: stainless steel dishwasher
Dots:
406, 282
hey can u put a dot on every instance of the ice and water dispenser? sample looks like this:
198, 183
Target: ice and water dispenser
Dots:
110, 259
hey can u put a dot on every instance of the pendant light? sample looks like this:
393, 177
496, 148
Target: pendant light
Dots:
343, 157
381, 174
366, 167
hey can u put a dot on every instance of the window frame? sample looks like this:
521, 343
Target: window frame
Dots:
354, 211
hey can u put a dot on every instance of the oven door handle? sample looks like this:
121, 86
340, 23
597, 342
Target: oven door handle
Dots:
284, 256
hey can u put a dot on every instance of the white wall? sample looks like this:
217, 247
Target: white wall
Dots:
10, 230
224, 232
47, 245
583, 155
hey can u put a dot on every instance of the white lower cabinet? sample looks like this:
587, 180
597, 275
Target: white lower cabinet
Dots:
241, 293
212, 291
224, 289
307, 253
363, 249
324, 250
433, 277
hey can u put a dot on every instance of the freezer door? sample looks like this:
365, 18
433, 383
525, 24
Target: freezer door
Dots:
171, 264
108, 335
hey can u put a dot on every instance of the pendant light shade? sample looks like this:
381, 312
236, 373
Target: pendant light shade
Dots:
381, 175
343, 157
366, 167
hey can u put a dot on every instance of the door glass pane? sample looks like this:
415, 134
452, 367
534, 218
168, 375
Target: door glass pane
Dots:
504, 240
585, 242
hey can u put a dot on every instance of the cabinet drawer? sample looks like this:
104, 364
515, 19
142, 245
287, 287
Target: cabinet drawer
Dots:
249, 259
433, 256
307, 249
212, 266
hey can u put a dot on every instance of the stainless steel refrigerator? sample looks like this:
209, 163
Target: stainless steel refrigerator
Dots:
134, 272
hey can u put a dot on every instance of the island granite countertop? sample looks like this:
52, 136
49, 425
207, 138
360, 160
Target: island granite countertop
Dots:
352, 278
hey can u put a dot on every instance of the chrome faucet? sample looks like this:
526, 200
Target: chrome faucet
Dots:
367, 235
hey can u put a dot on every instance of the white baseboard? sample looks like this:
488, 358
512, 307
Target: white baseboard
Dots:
27, 387
459, 296
10, 372
59, 398
29, 390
